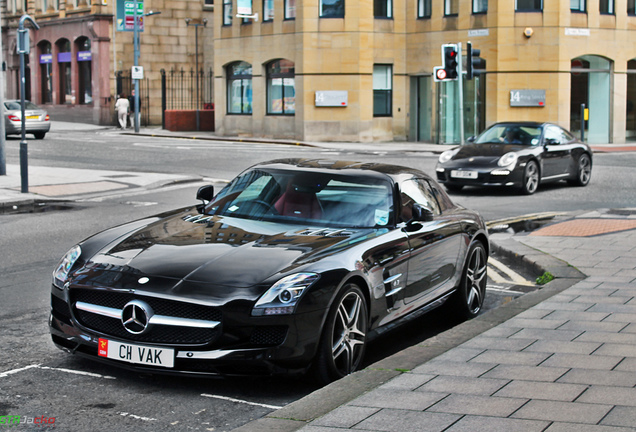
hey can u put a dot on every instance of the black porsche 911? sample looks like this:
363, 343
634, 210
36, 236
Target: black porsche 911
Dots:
293, 266
517, 154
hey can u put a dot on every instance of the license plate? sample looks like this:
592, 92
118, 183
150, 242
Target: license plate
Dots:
34, 117
139, 354
464, 174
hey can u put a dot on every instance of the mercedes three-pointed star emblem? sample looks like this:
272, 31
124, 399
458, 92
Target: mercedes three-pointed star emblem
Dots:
135, 316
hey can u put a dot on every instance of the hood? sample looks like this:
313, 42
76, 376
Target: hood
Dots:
492, 151
228, 252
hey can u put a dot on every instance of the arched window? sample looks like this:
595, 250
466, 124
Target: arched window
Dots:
46, 72
64, 67
239, 88
84, 62
281, 91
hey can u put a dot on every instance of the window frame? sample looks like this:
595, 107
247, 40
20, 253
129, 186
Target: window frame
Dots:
582, 6
631, 7
227, 13
387, 92
531, 9
480, 7
270, 76
321, 9
424, 8
268, 12
386, 5
290, 10
610, 7
451, 8
243, 78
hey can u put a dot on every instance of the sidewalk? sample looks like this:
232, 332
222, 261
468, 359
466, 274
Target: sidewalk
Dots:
559, 359
562, 358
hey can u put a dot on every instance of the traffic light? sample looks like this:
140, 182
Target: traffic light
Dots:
473, 61
449, 60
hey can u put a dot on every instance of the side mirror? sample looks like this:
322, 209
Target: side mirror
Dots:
421, 213
471, 139
205, 193
550, 141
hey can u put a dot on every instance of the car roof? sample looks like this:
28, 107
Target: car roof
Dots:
520, 123
372, 169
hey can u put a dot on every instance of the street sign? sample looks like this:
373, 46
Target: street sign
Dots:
137, 72
527, 98
126, 15
24, 45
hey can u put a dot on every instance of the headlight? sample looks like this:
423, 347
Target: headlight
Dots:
282, 297
447, 155
508, 160
64, 267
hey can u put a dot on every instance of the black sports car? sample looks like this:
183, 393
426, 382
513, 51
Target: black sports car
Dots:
521, 155
294, 265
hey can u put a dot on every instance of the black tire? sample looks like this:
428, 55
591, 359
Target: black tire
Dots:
469, 298
531, 178
583, 171
343, 341
39, 135
453, 187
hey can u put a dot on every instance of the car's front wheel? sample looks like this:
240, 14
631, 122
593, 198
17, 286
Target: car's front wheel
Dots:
469, 298
344, 337
531, 178
583, 171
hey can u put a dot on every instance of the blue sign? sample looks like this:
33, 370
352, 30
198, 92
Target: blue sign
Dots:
46, 58
64, 57
84, 56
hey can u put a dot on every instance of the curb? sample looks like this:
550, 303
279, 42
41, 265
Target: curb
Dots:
299, 413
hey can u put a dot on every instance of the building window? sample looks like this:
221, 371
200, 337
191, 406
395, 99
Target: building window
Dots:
49, 5
332, 8
631, 7
290, 9
46, 72
382, 90
480, 6
64, 72
281, 91
606, 7
529, 5
208, 3
423, 8
268, 10
227, 12
239, 88
383, 8
577, 5
84, 61
451, 7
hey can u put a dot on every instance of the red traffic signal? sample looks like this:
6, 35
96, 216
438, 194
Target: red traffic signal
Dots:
449, 60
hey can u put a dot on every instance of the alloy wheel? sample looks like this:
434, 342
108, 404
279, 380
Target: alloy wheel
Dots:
349, 333
530, 178
476, 280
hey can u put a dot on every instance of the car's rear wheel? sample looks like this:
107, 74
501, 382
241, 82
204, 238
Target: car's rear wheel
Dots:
469, 298
583, 171
531, 178
39, 135
344, 337
453, 187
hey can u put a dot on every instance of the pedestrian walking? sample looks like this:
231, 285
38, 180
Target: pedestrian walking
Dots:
122, 106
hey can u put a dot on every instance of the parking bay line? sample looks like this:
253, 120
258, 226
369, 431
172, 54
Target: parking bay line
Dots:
274, 407
514, 276
71, 371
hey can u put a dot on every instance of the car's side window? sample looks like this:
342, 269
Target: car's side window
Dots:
557, 134
416, 191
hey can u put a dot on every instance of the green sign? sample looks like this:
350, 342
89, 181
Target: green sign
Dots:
126, 15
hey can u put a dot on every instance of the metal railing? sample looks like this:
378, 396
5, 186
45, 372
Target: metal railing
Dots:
124, 84
179, 90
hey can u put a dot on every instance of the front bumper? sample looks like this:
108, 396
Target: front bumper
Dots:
485, 176
243, 345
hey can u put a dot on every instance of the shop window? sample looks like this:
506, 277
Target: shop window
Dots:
46, 72
480, 6
227, 12
64, 71
606, 7
290, 9
268, 10
84, 63
577, 5
332, 8
529, 5
281, 91
382, 90
451, 7
383, 8
424, 8
239, 88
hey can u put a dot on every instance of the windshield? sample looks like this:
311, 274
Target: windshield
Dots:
306, 198
511, 134
13, 105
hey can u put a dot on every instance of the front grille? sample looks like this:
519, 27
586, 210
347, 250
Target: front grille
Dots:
161, 334
272, 336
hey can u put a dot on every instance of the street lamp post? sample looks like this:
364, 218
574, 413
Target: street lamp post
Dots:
196, 26
136, 59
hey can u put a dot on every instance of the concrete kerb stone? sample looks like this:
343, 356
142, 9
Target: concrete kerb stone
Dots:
299, 413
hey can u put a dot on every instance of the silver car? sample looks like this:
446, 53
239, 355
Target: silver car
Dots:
37, 123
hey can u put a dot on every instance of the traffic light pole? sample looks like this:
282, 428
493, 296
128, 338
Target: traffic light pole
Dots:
460, 83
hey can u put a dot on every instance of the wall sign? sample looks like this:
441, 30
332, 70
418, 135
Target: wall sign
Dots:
527, 98
332, 98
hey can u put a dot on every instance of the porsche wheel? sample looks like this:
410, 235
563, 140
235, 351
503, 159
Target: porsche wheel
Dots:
583, 171
531, 178
343, 342
469, 298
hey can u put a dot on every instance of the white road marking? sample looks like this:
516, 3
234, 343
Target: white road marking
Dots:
14, 371
71, 371
125, 414
240, 401
514, 276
